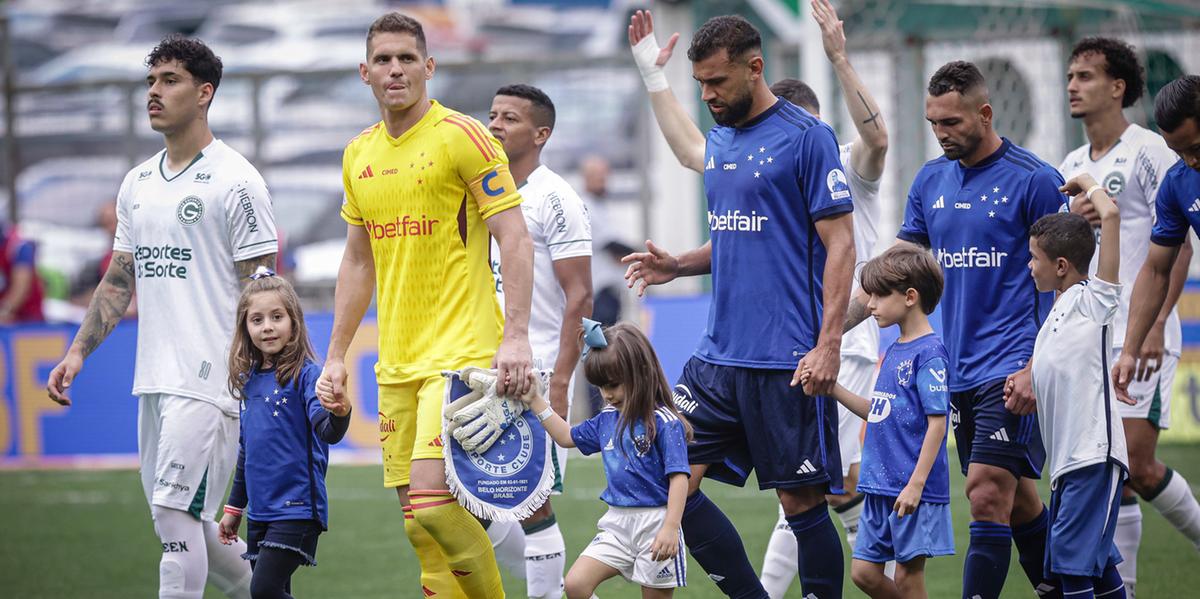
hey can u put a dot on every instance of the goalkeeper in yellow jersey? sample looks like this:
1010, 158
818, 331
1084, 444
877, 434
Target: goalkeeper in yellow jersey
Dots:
424, 188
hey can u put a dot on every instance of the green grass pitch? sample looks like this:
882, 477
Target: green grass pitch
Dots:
87, 534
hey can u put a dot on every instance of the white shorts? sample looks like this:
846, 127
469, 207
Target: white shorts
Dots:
187, 450
857, 375
624, 540
1153, 396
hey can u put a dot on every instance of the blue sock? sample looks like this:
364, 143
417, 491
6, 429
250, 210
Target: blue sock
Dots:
1030, 539
714, 543
821, 566
1109, 585
1077, 587
986, 564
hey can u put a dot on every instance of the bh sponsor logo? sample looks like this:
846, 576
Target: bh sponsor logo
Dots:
402, 226
971, 257
736, 220
162, 261
881, 406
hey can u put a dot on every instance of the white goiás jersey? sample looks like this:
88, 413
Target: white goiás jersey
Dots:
863, 340
559, 226
1131, 172
185, 231
1076, 403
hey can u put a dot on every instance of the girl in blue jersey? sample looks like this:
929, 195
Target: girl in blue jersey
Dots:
279, 484
643, 439
904, 475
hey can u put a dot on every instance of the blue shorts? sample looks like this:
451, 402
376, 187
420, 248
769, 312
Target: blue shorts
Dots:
293, 535
752, 419
884, 536
1083, 519
987, 433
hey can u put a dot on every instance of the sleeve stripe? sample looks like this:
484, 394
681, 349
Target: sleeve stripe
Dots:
484, 148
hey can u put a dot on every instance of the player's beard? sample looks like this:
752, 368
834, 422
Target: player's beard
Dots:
966, 147
735, 111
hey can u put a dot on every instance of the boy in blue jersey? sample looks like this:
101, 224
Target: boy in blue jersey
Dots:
1177, 112
904, 475
778, 196
973, 207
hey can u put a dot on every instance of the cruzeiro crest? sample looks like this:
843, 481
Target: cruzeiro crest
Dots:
516, 449
1114, 183
189, 211
904, 373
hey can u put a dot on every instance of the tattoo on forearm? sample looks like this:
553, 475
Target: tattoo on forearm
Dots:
873, 117
108, 305
246, 267
856, 313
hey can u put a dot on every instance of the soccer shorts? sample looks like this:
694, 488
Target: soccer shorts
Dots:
884, 536
187, 451
857, 375
1153, 396
752, 419
987, 433
410, 422
1083, 520
624, 540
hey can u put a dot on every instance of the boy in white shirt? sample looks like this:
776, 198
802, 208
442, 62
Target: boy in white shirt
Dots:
1081, 428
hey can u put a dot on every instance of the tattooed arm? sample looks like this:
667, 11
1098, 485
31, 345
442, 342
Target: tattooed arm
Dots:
108, 305
869, 149
246, 267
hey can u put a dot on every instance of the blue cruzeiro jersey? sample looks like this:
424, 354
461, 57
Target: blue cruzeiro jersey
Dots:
636, 470
911, 386
1177, 206
976, 220
284, 453
767, 183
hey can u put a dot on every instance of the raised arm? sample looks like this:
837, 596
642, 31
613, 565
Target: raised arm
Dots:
657, 266
869, 149
684, 137
1108, 268
107, 307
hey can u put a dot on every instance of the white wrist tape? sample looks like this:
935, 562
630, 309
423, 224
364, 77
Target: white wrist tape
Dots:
645, 54
1093, 188
544, 414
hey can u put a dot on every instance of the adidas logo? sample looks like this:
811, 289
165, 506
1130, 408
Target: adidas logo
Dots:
608, 446
716, 577
1043, 588
810, 596
427, 591
367, 173
665, 572
806, 468
940, 203
1000, 435
1195, 206
437, 442
710, 165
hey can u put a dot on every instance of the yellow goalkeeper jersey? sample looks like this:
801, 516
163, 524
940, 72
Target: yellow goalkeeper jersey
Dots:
423, 198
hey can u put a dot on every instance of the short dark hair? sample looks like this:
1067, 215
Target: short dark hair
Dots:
901, 268
956, 76
196, 57
543, 109
1065, 235
1177, 102
1120, 62
797, 92
394, 22
733, 33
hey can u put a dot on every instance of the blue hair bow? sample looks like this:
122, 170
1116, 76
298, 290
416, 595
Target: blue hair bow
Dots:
261, 272
593, 337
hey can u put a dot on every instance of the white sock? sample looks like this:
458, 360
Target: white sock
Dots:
183, 569
1177, 504
780, 561
226, 569
545, 559
1127, 539
849, 514
508, 541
